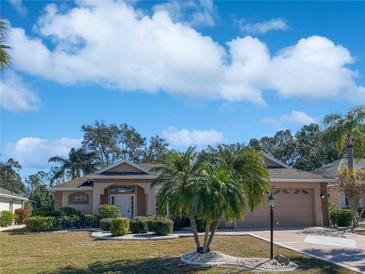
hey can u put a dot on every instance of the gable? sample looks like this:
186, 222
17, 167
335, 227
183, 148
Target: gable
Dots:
123, 168
272, 162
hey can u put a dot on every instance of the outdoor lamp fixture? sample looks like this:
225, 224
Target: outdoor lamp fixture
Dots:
271, 201
322, 196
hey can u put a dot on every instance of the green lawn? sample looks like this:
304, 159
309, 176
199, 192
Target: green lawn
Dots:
76, 252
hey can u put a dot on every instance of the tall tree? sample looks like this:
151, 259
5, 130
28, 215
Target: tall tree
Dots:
131, 143
4, 55
37, 188
103, 140
156, 150
79, 162
348, 131
9, 176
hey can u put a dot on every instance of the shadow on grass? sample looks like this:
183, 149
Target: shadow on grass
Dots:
152, 265
316, 266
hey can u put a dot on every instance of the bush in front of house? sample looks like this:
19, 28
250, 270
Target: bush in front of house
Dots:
341, 217
344, 217
72, 221
39, 223
139, 224
70, 211
181, 222
162, 226
108, 211
105, 223
43, 211
6, 218
119, 226
21, 215
90, 220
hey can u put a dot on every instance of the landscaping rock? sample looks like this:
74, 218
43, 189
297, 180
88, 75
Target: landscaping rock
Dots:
282, 259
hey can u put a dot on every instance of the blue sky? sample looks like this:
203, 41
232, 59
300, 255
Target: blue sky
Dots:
195, 72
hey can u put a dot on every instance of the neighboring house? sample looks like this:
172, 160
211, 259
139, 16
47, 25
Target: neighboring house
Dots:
11, 201
301, 196
331, 171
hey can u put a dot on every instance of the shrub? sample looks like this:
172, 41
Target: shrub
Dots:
181, 222
71, 221
105, 223
21, 215
69, 211
108, 211
39, 223
344, 217
91, 220
6, 218
119, 226
162, 226
341, 217
43, 211
139, 224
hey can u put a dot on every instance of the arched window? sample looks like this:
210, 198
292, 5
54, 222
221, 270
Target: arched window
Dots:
78, 198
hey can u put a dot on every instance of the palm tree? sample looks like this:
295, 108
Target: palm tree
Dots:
79, 162
4, 56
211, 189
348, 132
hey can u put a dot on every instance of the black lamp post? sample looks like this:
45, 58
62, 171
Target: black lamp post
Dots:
271, 202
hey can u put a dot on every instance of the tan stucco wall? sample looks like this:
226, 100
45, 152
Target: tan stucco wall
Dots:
85, 209
100, 185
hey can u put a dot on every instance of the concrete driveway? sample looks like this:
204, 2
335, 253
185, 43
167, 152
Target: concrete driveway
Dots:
342, 248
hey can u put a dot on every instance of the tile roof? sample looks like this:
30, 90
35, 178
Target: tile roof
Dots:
292, 173
74, 183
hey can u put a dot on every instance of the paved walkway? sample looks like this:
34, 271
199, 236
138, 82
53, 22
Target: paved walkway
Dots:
342, 248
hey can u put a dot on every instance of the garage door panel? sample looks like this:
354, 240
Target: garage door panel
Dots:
294, 207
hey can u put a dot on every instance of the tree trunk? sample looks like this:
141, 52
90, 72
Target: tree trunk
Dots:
206, 236
212, 232
195, 233
350, 151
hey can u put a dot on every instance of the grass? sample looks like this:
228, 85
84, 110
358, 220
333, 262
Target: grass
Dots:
76, 252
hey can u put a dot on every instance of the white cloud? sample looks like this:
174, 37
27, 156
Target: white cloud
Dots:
191, 12
113, 45
187, 138
15, 96
32, 152
247, 26
293, 117
19, 7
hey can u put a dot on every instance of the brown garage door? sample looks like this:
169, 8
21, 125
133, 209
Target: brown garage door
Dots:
294, 207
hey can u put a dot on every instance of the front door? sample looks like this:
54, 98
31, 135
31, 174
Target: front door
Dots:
126, 202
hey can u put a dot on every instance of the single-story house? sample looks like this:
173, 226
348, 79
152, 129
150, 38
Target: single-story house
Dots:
330, 171
301, 196
11, 201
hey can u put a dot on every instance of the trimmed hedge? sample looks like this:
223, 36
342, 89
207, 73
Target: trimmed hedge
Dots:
341, 217
6, 218
39, 223
71, 221
119, 226
109, 211
91, 220
21, 215
43, 211
106, 223
69, 211
139, 224
161, 225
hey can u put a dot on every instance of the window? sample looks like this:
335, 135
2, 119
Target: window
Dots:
122, 189
78, 198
